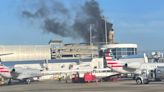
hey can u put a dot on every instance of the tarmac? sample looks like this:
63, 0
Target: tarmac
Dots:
56, 86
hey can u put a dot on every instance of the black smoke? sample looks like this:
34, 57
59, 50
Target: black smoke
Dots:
58, 19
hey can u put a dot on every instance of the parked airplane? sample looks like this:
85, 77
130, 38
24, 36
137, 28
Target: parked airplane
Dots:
141, 71
127, 65
22, 74
18, 73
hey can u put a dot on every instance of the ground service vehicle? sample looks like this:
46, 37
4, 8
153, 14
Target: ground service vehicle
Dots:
147, 76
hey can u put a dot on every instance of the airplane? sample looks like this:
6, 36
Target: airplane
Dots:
82, 69
130, 66
18, 73
127, 65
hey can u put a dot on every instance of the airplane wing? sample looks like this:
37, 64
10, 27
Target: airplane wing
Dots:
6, 54
30, 73
49, 72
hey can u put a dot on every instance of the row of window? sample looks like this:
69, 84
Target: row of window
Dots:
123, 49
120, 52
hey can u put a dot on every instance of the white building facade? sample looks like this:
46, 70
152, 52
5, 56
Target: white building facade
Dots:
25, 52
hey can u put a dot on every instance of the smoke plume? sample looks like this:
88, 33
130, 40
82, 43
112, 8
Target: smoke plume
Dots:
58, 19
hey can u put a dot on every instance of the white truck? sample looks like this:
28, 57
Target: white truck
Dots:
147, 76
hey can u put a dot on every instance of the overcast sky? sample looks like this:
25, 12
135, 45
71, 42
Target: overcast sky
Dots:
135, 21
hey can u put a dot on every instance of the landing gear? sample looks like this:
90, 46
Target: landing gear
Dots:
1, 81
9, 82
28, 81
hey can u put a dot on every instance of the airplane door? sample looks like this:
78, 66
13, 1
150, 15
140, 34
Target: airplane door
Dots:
151, 74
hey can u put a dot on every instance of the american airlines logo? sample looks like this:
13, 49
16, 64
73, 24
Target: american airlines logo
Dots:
110, 61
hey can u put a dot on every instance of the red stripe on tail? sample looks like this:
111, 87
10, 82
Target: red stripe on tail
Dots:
112, 63
117, 66
4, 71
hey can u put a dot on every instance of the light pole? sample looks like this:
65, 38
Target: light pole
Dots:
106, 39
90, 29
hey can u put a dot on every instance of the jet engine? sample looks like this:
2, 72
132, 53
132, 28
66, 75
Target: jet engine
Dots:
133, 65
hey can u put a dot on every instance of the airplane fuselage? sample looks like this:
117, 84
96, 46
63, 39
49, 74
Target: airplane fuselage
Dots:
148, 66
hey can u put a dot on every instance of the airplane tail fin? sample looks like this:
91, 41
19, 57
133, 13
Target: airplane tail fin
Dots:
108, 55
4, 69
109, 58
145, 58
